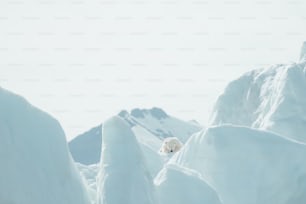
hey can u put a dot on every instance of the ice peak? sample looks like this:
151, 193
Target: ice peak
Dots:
123, 170
303, 52
157, 113
123, 113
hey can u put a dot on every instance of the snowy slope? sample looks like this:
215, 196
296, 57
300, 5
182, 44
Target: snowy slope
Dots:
248, 166
270, 99
36, 166
150, 126
183, 186
159, 123
150, 146
123, 177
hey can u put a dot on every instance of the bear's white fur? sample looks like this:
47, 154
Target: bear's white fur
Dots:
171, 145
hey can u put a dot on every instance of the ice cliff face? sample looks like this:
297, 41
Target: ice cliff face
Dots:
247, 166
303, 52
271, 99
123, 177
36, 166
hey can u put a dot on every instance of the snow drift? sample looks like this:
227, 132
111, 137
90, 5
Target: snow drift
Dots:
182, 186
270, 99
149, 145
248, 166
36, 166
124, 177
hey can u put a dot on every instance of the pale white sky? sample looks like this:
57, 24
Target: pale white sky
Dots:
84, 61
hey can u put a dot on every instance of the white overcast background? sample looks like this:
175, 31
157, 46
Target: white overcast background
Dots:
84, 61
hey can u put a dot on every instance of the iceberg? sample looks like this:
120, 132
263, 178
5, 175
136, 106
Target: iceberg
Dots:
36, 166
245, 165
123, 176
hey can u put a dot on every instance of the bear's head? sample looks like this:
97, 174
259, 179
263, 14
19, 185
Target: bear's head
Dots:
171, 145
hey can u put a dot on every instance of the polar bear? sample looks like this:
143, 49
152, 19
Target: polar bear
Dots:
171, 145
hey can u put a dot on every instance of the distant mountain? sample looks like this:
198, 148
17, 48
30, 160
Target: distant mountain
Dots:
86, 147
146, 124
160, 124
272, 99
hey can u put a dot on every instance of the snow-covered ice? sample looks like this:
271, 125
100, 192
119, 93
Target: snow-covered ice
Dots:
89, 174
123, 177
149, 145
270, 99
303, 52
245, 165
35, 163
180, 185
253, 151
